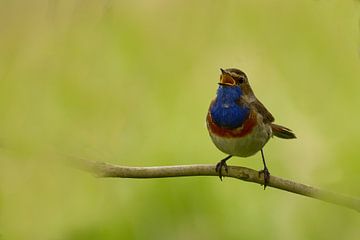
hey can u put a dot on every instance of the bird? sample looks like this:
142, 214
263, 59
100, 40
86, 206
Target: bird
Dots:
238, 123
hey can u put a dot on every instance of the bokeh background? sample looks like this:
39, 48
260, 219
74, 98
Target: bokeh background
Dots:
129, 82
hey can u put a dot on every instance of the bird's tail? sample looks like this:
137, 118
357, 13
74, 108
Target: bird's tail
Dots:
282, 132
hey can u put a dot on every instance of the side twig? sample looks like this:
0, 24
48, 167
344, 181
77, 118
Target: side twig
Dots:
246, 174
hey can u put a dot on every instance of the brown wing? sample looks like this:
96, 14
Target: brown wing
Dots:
260, 108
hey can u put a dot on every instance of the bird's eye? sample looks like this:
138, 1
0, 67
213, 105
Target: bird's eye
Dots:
241, 80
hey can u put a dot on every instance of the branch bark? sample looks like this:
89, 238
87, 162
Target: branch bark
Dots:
101, 169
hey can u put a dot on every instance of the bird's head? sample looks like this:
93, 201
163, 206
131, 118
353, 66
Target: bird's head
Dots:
234, 84
235, 78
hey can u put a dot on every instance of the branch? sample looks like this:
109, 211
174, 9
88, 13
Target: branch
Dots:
242, 173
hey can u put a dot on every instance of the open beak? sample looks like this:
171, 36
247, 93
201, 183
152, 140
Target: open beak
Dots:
226, 78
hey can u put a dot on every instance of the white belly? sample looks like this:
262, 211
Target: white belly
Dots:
245, 146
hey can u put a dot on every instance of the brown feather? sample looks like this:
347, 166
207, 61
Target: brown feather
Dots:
260, 108
282, 132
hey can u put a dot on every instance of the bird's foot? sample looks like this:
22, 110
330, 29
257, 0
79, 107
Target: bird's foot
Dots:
219, 167
266, 174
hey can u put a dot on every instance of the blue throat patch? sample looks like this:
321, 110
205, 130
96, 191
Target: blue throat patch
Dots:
225, 111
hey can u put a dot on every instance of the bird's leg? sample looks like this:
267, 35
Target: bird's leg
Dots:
221, 164
265, 171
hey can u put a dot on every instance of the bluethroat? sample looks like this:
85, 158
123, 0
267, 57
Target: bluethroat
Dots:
238, 123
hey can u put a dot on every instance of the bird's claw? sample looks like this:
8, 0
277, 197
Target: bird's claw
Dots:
219, 167
266, 174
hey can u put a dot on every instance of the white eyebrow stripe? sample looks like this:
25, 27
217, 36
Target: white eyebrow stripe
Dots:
235, 75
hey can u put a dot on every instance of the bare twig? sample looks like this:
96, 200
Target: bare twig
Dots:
242, 173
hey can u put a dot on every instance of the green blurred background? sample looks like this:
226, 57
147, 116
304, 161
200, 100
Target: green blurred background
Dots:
129, 82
